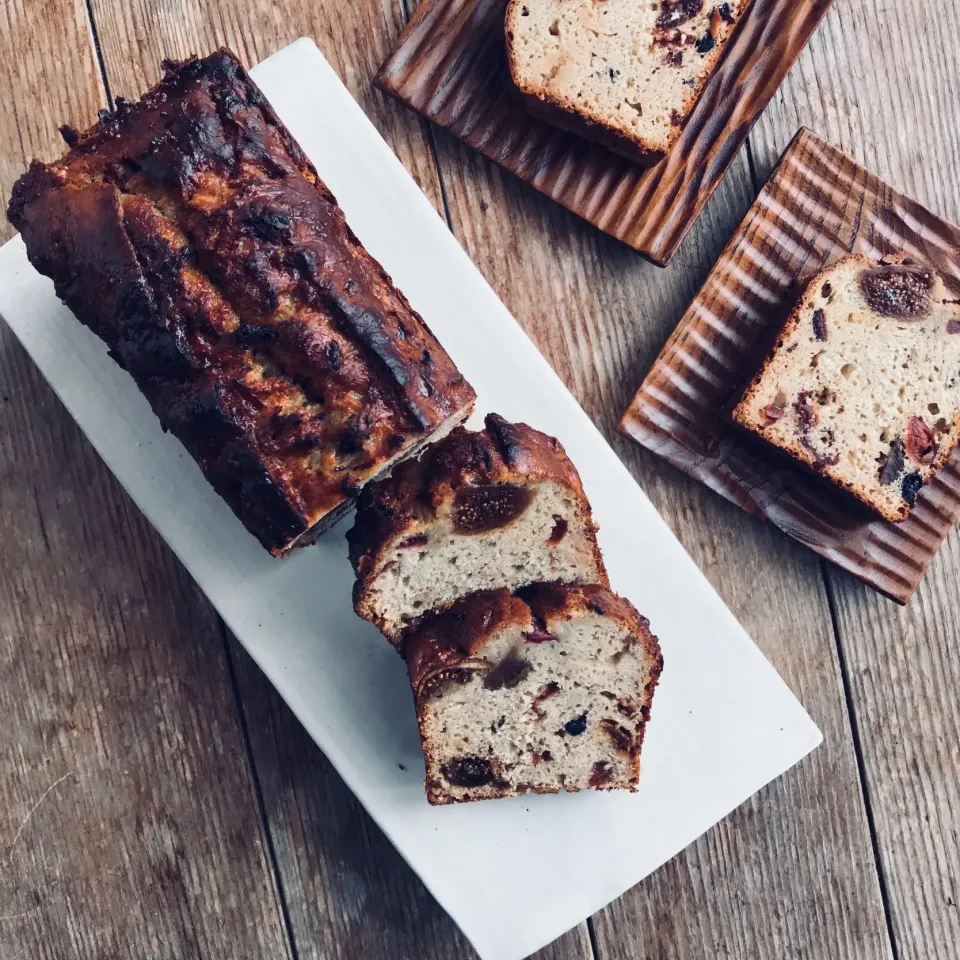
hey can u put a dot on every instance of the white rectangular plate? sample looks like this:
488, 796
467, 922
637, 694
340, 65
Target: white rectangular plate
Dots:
514, 874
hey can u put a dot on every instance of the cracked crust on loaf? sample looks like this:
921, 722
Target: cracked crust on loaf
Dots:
191, 234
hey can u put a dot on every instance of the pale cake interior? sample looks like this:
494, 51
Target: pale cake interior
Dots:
567, 723
869, 399
631, 66
429, 567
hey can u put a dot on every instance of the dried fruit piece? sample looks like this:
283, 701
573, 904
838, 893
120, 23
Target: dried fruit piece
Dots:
417, 540
725, 12
468, 772
439, 684
953, 326
715, 23
622, 738
675, 12
891, 464
807, 411
922, 443
539, 633
820, 325
911, 486
601, 773
576, 726
772, 412
559, 529
706, 43
481, 509
550, 690
898, 291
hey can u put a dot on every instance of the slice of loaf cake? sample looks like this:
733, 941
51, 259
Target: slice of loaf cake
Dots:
537, 693
500, 508
623, 72
863, 384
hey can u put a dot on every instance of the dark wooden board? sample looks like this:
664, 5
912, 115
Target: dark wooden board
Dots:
449, 65
818, 207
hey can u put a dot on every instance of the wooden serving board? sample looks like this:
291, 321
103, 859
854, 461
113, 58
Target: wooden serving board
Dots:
449, 65
817, 207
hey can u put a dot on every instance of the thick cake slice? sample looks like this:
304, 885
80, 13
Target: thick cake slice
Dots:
863, 384
478, 511
537, 693
191, 234
623, 72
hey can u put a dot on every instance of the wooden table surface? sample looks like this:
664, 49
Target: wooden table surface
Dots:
158, 800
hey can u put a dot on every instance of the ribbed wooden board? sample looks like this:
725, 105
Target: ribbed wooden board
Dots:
817, 207
449, 65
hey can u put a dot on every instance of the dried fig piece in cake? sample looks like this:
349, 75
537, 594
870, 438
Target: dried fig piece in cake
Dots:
502, 507
573, 716
866, 372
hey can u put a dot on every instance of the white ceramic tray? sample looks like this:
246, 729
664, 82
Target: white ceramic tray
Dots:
514, 874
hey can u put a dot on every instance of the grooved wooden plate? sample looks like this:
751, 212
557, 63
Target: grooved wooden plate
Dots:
817, 207
449, 65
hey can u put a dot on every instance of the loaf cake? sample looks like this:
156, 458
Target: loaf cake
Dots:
192, 235
623, 72
863, 383
537, 693
500, 508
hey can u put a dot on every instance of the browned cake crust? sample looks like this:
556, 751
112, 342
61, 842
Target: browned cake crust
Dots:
448, 649
192, 235
503, 453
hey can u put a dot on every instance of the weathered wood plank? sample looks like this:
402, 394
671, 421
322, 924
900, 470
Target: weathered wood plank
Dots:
116, 703
880, 81
348, 893
793, 871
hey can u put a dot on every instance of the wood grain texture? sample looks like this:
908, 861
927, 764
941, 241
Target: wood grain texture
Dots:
449, 65
818, 207
789, 875
347, 892
792, 872
114, 692
880, 80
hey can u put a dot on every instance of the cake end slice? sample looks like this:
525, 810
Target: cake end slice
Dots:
863, 383
622, 73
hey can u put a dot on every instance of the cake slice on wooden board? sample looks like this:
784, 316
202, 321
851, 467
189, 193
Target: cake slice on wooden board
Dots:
192, 235
863, 383
500, 508
623, 72
545, 691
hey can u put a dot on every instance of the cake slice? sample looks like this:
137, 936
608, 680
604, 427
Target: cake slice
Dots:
546, 691
622, 72
500, 508
863, 384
